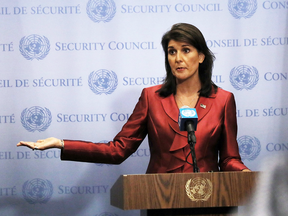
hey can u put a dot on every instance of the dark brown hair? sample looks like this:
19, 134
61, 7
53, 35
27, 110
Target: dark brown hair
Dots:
190, 34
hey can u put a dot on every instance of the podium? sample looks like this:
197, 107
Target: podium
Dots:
217, 193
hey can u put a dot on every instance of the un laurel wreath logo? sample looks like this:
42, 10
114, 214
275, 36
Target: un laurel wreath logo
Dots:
37, 191
36, 118
101, 10
242, 8
244, 77
188, 113
34, 47
249, 147
103, 81
199, 189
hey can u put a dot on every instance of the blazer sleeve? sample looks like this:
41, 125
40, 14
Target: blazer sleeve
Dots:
123, 145
230, 159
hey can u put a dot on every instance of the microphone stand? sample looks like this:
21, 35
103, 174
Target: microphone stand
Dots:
192, 142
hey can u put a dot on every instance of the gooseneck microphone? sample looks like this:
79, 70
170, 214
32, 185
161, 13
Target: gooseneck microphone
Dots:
188, 122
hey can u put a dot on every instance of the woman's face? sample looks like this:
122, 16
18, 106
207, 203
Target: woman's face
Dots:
184, 60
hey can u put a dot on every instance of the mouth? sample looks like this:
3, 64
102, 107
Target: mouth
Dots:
180, 68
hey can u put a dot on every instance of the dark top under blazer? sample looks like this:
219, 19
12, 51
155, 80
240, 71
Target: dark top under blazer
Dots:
158, 117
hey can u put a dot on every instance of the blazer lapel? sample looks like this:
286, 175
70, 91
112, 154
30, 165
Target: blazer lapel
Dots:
204, 105
170, 107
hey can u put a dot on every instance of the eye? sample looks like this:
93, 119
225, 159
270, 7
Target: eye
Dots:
186, 50
171, 51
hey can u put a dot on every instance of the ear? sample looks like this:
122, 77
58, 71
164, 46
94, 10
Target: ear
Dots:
201, 57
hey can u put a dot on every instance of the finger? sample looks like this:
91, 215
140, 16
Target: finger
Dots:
21, 143
28, 144
40, 141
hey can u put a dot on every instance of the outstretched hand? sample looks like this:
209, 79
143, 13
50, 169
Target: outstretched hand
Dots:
42, 144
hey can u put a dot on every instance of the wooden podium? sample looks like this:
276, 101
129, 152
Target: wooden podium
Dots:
218, 193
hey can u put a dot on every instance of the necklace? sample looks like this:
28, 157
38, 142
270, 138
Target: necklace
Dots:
192, 100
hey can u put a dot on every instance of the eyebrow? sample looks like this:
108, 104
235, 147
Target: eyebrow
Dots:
185, 45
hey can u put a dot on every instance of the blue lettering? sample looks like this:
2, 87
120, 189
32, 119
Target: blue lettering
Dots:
59, 118
7, 119
124, 9
21, 83
46, 154
269, 76
142, 81
66, 118
23, 155
197, 7
239, 113
81, 117
4, 11
275, 111
125, 81
6, 156
118, 117
56, 10
254, 113
130, 9
82, 189
113, 45
110, 45
5, 84
58, 46
277, 147
145, 8
274, 41
61, 189
141, 153
275, 5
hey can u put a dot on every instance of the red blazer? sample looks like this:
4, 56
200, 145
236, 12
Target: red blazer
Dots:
158, 117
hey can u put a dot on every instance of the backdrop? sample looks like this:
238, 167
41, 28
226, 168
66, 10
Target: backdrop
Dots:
75, 69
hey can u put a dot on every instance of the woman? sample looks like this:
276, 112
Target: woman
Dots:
188, 63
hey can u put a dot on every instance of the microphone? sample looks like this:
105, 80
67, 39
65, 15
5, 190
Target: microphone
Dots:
188, 119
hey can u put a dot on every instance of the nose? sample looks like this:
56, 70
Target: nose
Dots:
178, 57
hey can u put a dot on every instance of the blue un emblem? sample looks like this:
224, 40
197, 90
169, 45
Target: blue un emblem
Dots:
37, 191
101, 10
249, 147
34, 47
103, 81
242, 8
36, 119
244, 77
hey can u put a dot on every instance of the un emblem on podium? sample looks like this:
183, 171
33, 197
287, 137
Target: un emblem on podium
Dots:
199, 189
37, 191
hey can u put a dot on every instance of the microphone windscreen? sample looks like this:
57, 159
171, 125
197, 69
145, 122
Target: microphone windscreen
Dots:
187, 114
